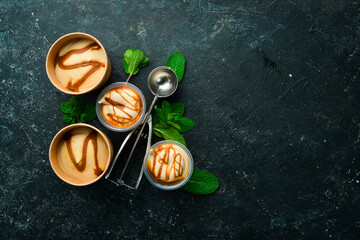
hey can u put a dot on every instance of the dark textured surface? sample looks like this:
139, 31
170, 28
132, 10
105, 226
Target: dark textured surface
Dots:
273, 87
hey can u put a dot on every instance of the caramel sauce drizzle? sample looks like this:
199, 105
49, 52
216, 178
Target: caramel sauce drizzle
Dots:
82, 164
137, 107
60, 60
176, 166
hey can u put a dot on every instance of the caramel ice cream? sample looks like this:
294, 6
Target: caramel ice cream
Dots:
80, 64
121, 107
83, 154
168, 164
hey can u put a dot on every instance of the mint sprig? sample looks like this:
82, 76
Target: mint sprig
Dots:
201, 183
176, 62
77, 111
134, 59
169, 122
169, 133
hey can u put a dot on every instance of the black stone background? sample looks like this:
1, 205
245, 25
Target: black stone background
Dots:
273, 87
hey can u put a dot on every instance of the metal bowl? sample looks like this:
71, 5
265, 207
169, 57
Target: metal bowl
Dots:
100, 115
163, 186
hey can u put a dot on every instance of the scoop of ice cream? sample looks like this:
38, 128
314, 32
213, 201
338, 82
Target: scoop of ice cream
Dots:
83, 153
80, 64
168, 164
121, 106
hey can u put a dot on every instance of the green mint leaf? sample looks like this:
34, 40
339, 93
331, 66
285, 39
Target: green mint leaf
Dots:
134, 59
170, 133
201, 183
155, 118
68, 119
178, 108
73, 99
76, 99
169, 117
185, 124
77, 105
126, 66
175, 116
176, 62
161, 116
145, 62
66, 107
174, 125
166, 107
77, 111
157, 133
89, 113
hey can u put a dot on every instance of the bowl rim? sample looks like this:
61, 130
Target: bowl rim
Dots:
168, 187
51, 49
104, 122
54, 147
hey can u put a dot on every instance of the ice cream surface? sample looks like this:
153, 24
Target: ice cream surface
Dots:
168, 164
121, 106
80, 64
83, 154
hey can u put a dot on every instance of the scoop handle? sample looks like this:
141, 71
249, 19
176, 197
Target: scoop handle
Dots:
147, 149
138, 137
118, 154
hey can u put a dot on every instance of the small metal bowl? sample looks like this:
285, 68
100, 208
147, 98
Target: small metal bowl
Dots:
100, 115
163, 186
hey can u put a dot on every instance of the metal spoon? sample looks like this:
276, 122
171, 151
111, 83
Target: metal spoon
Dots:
162, 82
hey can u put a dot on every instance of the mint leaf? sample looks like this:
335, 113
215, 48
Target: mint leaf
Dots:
201, 183
168, 122
176, 62
89, 113
174, 125
166, 107
144, 62
73, 100
66, 107
178, 108
155, 118
157, 133
134, 60
174, 116
170, 133
161, 116
77, 105
185, 124
77, 111
68, 119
